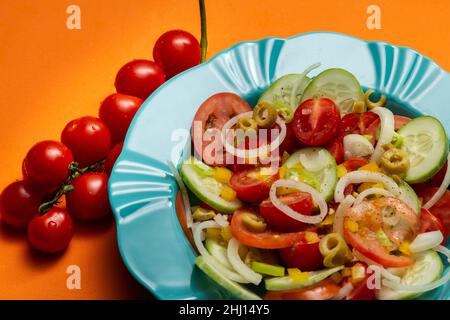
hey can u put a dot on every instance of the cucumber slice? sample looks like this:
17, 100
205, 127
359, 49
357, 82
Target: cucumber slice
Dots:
409, 196
318, 170
426, 142
280, 91
338, 85
428, 268
206, 188
218, 252
286, 283
234, 288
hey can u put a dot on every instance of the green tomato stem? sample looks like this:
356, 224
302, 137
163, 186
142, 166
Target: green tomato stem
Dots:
204, 38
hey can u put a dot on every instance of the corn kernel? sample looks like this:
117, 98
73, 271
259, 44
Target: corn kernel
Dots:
213, 234
226, 233
328, 221
227, 193
311, 237
282, 172
351, 225
404, 248
222, 174
297, 276
341, 171
372, 166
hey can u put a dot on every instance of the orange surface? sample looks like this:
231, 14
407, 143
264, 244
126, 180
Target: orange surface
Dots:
49, 75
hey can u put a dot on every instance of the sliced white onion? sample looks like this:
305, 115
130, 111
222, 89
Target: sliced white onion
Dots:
239, 265
293, 96
338, 223
197, 233
344, 291
368, 192
316, 196
356, 145
364, 176
221, 220
251, 153
387, 127
314, 163
426, 287
184, 194
384, 272
442, 188
425, 241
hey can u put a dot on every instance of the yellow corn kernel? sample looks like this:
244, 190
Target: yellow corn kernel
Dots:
359, 107
351, 225
358, 272
311, 237
297, 276
328, 221
341, 171
372, 166
213, 234
227, 193
282, 172
404, 248
222, 174
226, 233
346, 272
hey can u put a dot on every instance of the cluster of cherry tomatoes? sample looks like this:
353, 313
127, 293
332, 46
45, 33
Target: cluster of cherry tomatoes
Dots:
77, 167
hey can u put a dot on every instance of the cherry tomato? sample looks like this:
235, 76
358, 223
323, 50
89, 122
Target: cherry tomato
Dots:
365, 120
210, 117
117, 111
89, 199
349, 124
176, 51
19, 202
441, 209
324, 290
139, 78
360, 290
399, 121
47, 164
277, 220
264, 240
52, 231
354, 164
290, 142
88, 138
435, 181
336, 148
429, 222
112, 157
302, 255
369, 218
315, 121
253, 185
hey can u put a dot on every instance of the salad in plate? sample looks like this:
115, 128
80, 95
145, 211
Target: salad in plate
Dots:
318, 192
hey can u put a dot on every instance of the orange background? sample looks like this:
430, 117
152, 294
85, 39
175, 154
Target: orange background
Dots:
50, 75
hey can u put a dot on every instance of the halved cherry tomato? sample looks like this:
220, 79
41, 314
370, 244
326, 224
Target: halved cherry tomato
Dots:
360, 290
211, 116
324, 290
369, 218
264, 240
365, 120
302, 255
253, 185
399, 121
435, 181
353, 164
441, 209
429, 222
277, 220
316, 121
336, 148
349, 125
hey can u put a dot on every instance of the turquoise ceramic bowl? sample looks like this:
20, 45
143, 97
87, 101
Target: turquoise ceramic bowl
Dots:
142, 190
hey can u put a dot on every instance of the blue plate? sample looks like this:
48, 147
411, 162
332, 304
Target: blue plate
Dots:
142, 190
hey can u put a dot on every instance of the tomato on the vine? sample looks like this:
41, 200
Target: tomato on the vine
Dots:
176, 51
117, 111
88, 138
112, 157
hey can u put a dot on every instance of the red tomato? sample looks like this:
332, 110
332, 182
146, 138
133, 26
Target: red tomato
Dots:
368, 216
365, 120
88, 138
264, 240
277, 220
47, 164
52, 231
336, 148
19, 202
112, 157
428, 222
117, 111
302, 255
399, 121
290, 142
360, 290
176, 51
441, 209
349, 124
315, 121
89, 199
353, 164
139, 78
211, 116
324, 290
251, 185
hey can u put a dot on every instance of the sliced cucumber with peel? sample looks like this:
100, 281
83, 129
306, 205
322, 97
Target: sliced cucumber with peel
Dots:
286, 90
409, 196
428, 268
338, 85
316, 163
219, 252
425, 141
205, 187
